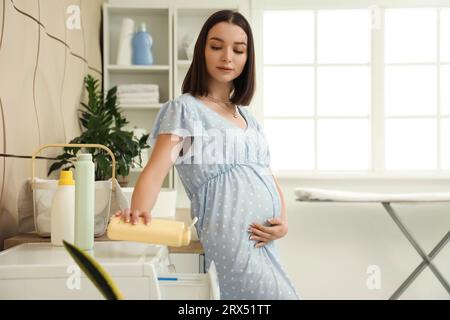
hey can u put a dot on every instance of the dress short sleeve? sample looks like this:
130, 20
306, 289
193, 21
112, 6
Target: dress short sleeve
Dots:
177, 118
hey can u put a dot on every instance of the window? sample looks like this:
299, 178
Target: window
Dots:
356, 89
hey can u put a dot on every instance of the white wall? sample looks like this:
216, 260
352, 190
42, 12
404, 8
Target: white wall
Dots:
41, 86
330, 245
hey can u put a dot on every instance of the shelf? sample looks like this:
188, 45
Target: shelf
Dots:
155, 106
136, 68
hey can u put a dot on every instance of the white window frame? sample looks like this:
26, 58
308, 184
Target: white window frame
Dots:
257, 8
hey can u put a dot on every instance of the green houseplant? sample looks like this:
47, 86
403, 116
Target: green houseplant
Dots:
103, 123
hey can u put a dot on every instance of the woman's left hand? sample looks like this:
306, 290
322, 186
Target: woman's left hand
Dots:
263, 234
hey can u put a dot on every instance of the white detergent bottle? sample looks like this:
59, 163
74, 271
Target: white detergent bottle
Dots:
63, 210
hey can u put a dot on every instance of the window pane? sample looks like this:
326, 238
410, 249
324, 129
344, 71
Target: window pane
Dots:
411, 144
445, 90
343, 91
343, 144
288, 37
410, 90
288, 91
410, 35
445, 144
445, 35
291, 144
343, 36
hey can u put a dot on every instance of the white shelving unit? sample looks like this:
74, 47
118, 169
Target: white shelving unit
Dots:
158, 18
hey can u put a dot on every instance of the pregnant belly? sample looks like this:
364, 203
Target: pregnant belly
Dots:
241, 196
234, 200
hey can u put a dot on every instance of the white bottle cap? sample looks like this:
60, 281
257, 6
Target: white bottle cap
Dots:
143, 27
84, 156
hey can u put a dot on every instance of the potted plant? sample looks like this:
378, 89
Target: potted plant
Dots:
103, 123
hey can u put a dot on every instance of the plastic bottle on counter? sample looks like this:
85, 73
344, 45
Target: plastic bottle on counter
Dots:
84, 201
63, 210
158, 231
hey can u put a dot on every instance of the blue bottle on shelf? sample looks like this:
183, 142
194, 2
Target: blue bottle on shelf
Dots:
142, 43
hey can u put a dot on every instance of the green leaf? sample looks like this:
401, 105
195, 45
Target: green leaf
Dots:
143, 141
95, 272
57, 165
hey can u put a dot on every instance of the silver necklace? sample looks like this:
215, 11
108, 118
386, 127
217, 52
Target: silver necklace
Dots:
224, 104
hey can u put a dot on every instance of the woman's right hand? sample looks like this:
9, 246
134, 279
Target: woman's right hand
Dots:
133, 216
150, 180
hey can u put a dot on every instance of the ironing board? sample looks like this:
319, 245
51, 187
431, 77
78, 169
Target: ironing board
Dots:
328, 195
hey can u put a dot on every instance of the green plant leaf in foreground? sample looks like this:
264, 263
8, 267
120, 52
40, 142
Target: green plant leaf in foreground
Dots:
96, 273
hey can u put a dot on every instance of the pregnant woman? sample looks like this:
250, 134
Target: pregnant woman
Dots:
222, 158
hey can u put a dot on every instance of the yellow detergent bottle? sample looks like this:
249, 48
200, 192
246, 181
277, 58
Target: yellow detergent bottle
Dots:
158, 231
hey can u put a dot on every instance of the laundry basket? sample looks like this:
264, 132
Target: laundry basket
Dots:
44, 191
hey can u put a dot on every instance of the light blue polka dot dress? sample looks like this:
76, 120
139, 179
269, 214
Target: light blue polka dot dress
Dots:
226, 177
